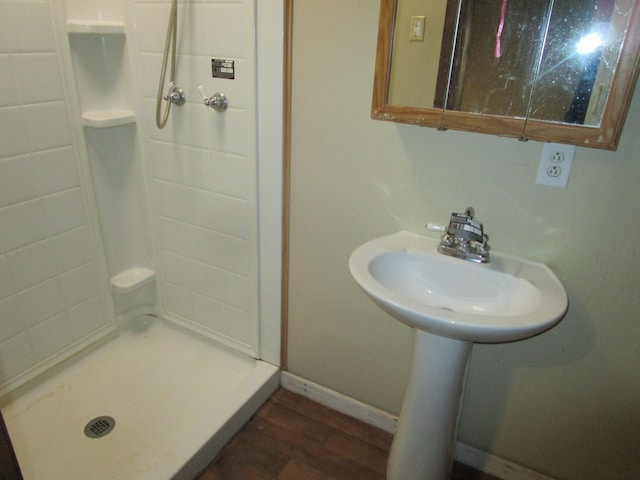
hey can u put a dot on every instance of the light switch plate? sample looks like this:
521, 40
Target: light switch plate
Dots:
416, 33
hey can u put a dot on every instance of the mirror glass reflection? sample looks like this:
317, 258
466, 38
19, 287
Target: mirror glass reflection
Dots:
542, 59
496, 56
415, 63
581, 52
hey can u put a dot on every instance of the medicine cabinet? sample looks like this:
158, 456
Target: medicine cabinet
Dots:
553, 71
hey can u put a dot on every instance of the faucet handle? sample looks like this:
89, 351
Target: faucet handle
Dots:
464, 225
434, 227
175, 95
484, 247
218, 101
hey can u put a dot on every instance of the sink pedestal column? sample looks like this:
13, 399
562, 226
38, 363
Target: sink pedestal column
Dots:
424, 443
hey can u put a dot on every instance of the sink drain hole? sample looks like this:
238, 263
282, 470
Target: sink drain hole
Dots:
99, 427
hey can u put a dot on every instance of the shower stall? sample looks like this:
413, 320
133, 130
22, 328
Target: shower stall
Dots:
140, 268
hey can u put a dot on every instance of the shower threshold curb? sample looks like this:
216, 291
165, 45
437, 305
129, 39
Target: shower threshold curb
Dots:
225, 422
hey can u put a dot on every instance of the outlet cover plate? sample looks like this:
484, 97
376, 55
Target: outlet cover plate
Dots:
555, 164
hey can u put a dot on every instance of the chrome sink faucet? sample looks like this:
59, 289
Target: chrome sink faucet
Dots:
464, 238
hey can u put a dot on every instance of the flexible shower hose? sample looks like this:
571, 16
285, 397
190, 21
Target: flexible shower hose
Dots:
169, 50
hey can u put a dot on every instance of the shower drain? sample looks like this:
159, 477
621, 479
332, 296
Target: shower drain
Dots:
99, 427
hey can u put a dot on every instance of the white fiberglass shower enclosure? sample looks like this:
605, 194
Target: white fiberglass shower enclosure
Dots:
139, 268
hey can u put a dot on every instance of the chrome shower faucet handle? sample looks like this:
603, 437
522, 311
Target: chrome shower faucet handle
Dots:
218, 101
175, 95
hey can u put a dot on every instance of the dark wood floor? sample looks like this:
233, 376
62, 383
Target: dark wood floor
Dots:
294, 438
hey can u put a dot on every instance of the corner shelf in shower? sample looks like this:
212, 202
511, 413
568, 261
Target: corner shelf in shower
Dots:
132, 279
108, 118
95, 27
98, 51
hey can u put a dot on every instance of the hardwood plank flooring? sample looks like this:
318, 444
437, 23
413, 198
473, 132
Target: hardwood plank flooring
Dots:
294, 438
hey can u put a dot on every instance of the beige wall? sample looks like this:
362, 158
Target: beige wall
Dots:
414, 71
566, 403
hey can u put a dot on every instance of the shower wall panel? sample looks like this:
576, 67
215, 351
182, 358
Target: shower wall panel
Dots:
202, 168
52, 277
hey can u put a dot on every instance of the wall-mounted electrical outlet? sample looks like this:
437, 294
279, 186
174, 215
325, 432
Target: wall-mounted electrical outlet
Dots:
555, 164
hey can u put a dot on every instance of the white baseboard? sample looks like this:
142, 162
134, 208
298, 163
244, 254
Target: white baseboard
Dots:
494, 465
339, 402
466, 454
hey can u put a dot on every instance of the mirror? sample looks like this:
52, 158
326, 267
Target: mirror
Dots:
532, 69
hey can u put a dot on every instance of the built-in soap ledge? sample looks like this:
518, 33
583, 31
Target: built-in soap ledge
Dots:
99, 27
108, 118
132, 279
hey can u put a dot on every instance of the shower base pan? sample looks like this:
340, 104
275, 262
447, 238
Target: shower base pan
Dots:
174, 399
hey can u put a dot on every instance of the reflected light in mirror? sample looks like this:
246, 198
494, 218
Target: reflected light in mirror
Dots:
589, 43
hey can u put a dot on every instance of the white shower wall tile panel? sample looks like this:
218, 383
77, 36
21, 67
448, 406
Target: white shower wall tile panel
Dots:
40, 302
207, 246
71, 249
55, 170
22, 224
212, 315
44, 126
40, 79
178, 300
5, 278
4, 34
30, 265
16, 355
215, 300
50, 336
14, 134
220, 36
15, 184
8, 85
10, 315
27, 25
201, 168
79, 284
50, 297
196, 125
63, 211
223, 318
203, 28
232, 174
216, 283
150, 20
175, 163
222, 213
30, 176
86, 317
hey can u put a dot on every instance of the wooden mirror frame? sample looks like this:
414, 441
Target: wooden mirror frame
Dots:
604, 136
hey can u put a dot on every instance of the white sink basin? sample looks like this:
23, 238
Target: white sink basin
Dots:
451, 303
504, 300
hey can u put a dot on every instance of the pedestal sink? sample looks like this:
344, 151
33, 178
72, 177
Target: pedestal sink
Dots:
451, 303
